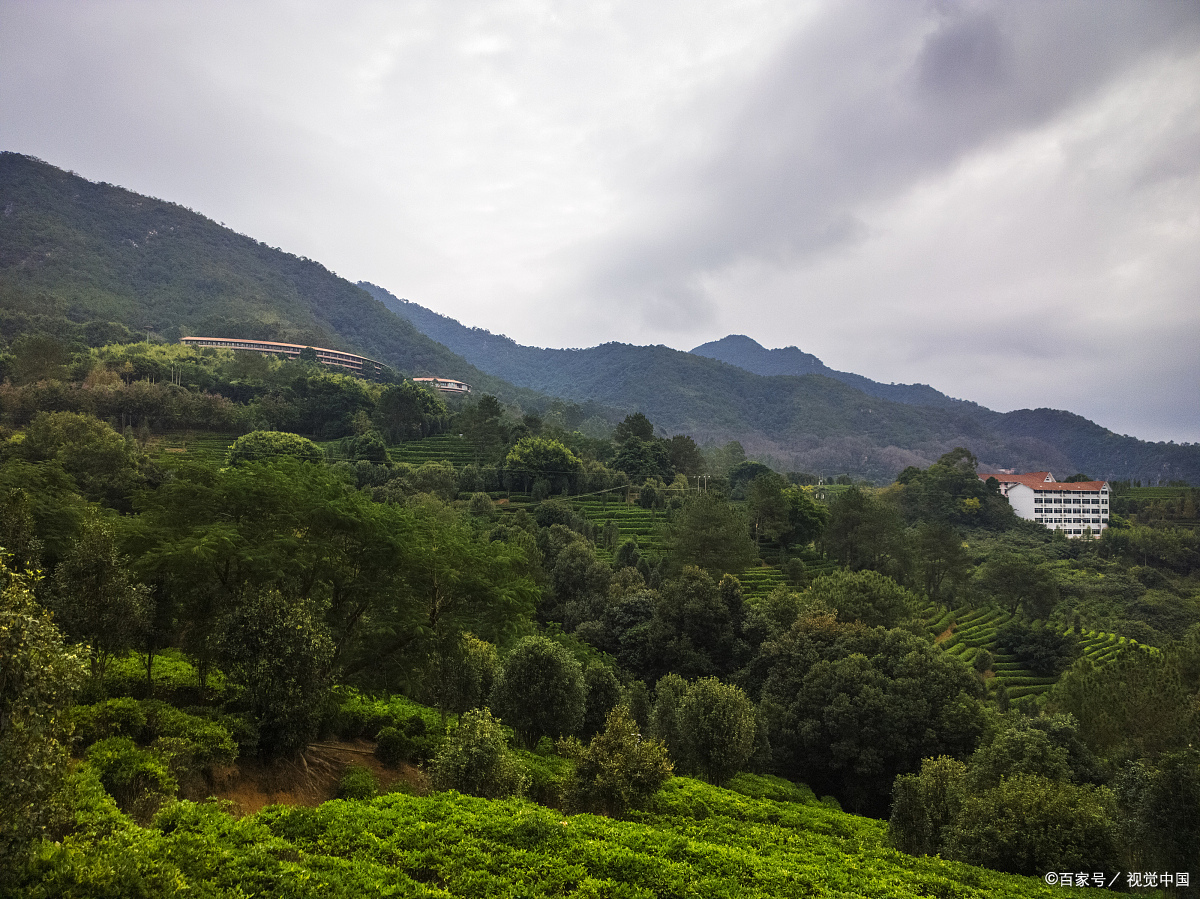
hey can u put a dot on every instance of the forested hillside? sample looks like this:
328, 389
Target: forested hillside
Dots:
824, 421
74, 251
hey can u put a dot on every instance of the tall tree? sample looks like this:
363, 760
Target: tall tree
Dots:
540, 691
95, 598
39, 675
710, 533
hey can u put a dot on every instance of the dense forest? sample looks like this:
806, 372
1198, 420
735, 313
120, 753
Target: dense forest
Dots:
180, 605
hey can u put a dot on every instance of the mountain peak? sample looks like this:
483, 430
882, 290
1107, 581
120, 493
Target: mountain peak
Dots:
749, 354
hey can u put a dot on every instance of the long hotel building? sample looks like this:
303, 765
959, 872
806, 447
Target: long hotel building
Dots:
292, 350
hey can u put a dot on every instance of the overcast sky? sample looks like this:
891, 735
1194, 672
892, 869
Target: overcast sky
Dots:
1001, 199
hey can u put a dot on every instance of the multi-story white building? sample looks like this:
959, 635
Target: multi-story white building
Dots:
1076, 508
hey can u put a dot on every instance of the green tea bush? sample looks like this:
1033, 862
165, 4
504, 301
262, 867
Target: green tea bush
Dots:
357, 782
175, 679
550, 776
208, 742
393, 746
138, 779
767, 786
121, 717
693, 840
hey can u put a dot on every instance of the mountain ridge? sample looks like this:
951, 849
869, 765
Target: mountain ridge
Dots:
80, 250
749, 354
812, 421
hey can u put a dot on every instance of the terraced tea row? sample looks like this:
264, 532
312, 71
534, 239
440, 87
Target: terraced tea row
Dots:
451, 448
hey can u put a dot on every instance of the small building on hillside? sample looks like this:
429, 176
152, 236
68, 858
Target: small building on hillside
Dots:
445, 385
1076, 508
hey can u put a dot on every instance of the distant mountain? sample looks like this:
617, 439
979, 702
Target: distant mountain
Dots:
742, 351
72, 250
820, 421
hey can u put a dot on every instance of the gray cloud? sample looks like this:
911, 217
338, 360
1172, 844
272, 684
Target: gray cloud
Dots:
918, 192
867, 101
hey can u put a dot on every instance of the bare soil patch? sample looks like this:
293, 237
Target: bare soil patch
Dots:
309, 780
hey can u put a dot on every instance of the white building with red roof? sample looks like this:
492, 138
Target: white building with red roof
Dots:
1074, 507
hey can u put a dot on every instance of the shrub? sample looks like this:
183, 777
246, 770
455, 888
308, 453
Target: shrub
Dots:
258, 446
1029, 825
476, 760
1045, 651
925, 804
393, 746
357, 782
717, 727
619, 770
121, 717
139, 780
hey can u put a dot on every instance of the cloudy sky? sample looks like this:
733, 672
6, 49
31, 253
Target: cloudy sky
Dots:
1001, 199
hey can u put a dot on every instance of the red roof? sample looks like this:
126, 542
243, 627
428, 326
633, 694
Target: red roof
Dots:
1037, 480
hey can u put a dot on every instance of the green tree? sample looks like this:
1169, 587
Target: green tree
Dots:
940, 559
867, 596
1160, 805
710, 533
694, 632
541, 458
685, 457
278, 652
1134, 706
717, 727
669, 694
850, 707
455, 583
39, 675
104, 465
540, 691
926, 804
38, 357
96, 600
865, 531
806, 518
473, 671
259, 446
1029, 825
619, 770
1018, 581
769, 508
634, 427
644, 460
476, 760
603, 695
